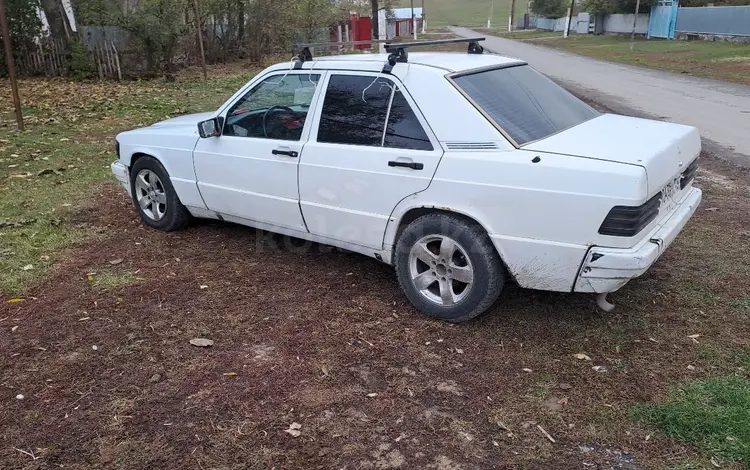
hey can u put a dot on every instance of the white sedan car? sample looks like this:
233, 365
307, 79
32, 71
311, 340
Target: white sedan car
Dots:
463, 171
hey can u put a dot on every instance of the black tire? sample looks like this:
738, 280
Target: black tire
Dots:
176, 216
487, 267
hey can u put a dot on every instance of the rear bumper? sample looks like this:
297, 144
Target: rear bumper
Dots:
608, 269
122, 174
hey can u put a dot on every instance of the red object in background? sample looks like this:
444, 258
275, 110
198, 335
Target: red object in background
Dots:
364, 31
360, 29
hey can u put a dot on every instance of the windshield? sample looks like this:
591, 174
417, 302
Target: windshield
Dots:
523, 103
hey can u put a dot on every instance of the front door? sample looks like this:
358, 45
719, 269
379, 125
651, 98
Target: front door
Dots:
369, 149
250, 171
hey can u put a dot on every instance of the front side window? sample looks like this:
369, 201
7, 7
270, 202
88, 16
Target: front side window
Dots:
355, 111
276, 108
524, 103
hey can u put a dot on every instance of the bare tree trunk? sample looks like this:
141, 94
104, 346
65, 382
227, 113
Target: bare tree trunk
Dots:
375, 23
58, 21
240, 22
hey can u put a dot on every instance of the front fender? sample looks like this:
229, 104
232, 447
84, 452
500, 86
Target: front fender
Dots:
174, 150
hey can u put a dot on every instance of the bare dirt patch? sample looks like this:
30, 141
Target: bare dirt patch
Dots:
326, 340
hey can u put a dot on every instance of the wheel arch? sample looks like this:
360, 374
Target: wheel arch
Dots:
397, 225
138, 154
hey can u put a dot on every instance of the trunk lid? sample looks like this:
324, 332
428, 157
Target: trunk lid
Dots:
664, 149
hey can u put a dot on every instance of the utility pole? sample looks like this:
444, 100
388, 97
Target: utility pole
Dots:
413, 20
512, 13
200, 39
11, 65
570, 18
492, 12
635, 18
424, 19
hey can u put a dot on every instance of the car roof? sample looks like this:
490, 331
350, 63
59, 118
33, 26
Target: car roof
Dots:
445, 61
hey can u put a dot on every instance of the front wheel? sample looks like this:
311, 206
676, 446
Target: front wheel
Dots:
154, 197
448, 267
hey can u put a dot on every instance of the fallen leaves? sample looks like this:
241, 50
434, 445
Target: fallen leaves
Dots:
229, 374
201, 342
294, 429
115, 262
582, 357
15, 301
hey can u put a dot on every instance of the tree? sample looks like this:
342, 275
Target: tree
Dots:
375, 23
549, 8
24, 27
313, 17
614, 6
157, 27
23, 23
59, 24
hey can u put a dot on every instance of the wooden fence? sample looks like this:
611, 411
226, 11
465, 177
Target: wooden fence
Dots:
49, 58
53, 57
107, 61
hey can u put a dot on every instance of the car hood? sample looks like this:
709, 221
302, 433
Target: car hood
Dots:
663, 149
183, 121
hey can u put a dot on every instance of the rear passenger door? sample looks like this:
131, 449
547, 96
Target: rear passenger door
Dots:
369, 148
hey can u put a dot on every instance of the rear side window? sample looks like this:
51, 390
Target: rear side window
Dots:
524, 103
404, 129
354, 110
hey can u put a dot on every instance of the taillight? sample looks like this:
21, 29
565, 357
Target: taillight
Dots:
689, 174
628, 221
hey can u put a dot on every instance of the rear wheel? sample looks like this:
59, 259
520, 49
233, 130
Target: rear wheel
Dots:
154, 197
448, 268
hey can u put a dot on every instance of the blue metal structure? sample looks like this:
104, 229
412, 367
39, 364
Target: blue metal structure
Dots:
663, 19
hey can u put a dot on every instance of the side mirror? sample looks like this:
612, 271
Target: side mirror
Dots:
209, 128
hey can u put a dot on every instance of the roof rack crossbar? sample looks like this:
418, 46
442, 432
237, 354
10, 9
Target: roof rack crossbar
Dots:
399, 51
474, 47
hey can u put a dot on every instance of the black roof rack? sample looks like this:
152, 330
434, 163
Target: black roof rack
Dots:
400, 48
397, 51
306, 49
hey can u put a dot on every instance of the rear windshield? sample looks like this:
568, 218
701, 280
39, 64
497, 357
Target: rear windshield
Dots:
524, 103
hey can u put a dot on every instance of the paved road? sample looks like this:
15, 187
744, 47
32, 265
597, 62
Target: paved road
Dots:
720, 110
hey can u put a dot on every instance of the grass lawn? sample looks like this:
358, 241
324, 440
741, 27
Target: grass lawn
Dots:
52, 170
97, 314
519, 34
463, 12
713, 414
719, 60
